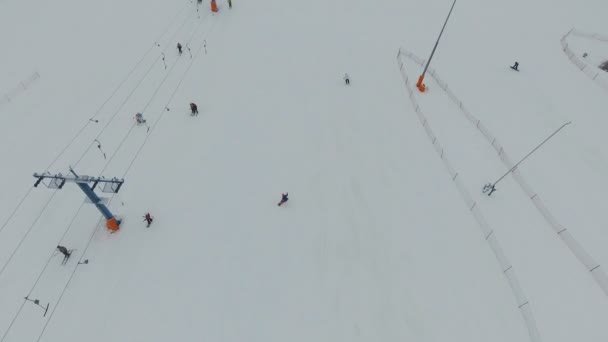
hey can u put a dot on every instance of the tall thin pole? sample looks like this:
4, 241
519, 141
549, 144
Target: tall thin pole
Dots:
492, 187
421, 86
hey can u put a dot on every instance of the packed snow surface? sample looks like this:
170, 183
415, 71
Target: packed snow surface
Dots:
375, 242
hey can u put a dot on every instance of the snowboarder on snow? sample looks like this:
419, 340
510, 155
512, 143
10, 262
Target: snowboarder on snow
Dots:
179, 49
515, 66
283, 199
148, 218
65, 252
139, 118
346, 79
193, 109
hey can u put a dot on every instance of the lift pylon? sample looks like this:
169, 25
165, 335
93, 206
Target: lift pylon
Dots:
87, 184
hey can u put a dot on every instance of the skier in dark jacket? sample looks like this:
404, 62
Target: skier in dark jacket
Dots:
283, 199
179, 49
139, 118
148, 218
65, 252
193, 108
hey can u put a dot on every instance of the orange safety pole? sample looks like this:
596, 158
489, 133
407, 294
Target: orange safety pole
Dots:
421, 86
112, 224
213, 6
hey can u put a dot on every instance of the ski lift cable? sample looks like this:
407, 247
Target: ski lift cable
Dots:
41, 273
75, 215
169, 73
97, 228
8, 261
81, 130
167, 105
109, 202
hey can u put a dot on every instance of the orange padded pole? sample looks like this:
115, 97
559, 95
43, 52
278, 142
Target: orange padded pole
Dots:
112, 224
421, 85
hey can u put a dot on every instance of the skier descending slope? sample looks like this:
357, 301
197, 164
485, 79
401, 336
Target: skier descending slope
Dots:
179, 49
346, 79
193, 109
139, 118
65, 252
283, 199
148, 218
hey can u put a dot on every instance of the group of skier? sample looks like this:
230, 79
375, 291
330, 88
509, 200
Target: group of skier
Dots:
139, 117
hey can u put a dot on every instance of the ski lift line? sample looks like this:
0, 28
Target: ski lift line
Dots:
65, 232
166, 106
173, 20
117, 111
70, 143
111, 199
97, 226
124, 80
5, 223
10, 217
67, 284
40, 274
109, 160
13, 321
127, 98
172, 39
27, 233
93, 233
169, 72
146, 106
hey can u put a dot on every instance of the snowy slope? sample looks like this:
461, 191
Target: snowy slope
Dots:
375, 242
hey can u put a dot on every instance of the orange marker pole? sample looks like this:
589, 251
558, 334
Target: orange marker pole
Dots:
421, 85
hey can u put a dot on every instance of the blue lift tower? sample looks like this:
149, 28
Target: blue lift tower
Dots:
87, 184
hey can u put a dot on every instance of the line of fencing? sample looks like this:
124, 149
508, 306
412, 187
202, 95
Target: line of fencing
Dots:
575, 247
595, 36
592, 71
18, 89
507, 268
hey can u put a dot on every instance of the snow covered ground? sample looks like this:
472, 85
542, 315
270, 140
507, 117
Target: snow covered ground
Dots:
595, 47
375, 242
